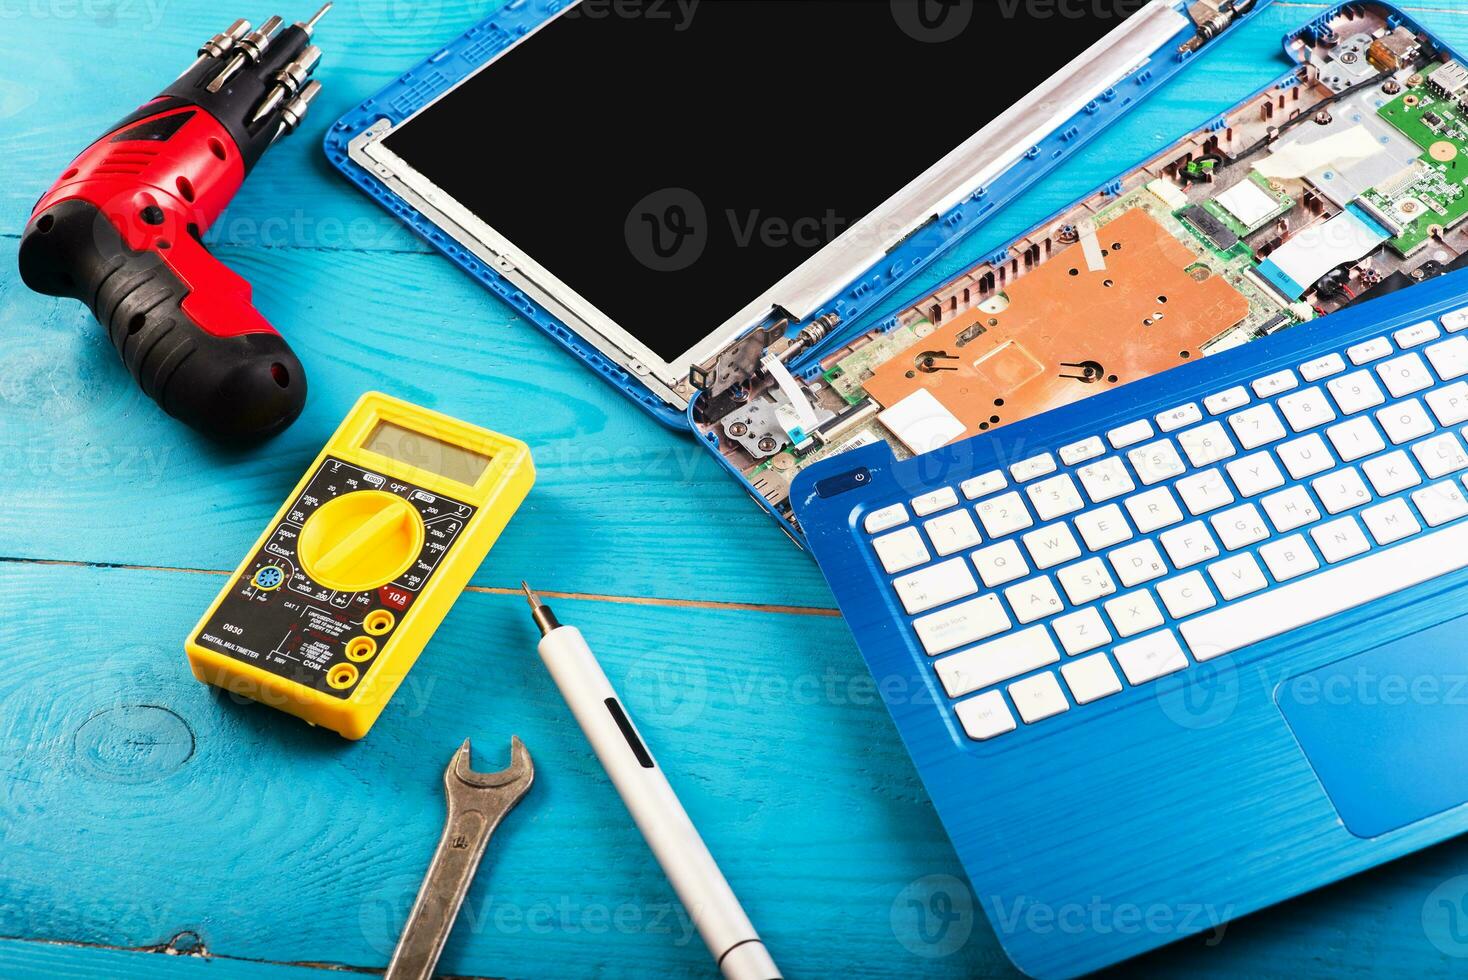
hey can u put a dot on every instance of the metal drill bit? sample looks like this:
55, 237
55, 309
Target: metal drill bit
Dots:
294, 111
219, 44
545, 620
251, 46
288, 82
310, 25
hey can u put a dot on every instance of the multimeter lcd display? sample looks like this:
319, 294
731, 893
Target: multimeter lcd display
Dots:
426, 453
670, 161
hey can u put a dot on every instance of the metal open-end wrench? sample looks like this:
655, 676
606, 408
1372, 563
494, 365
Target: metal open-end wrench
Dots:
477, 802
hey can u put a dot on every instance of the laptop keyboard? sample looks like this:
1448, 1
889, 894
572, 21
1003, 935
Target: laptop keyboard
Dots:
1073, 575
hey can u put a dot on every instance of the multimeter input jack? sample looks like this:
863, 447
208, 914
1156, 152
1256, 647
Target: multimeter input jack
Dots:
268, 578
361, 648
378, 622
342, 676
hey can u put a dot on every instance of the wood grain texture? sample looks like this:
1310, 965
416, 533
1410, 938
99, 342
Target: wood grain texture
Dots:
136, 805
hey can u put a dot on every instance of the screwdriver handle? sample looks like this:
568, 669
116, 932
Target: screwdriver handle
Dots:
182, 321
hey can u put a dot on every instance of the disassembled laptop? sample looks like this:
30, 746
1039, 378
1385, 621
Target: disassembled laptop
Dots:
1345, 183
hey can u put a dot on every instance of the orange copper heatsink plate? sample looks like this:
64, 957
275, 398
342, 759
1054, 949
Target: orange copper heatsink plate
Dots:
1069, 331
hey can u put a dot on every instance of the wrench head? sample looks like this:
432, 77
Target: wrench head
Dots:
461, 779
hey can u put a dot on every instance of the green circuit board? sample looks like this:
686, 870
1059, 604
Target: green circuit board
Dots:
1432, 196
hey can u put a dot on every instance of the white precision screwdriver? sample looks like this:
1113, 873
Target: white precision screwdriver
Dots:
700, 885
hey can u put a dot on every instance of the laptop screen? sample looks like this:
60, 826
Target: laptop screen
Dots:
671, 160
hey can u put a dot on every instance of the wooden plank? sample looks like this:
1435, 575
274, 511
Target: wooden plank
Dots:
137, 803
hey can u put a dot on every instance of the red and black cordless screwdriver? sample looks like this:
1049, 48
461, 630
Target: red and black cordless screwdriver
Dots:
122, 231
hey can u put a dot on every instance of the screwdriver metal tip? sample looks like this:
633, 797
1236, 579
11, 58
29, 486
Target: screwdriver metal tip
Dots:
530, 595
310, 25
545, 620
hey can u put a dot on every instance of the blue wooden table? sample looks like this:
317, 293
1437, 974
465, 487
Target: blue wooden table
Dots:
142, 814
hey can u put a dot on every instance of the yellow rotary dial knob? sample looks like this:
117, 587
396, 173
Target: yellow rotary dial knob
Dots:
360, 541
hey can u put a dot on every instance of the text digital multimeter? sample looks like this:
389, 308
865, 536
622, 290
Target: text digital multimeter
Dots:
336, 600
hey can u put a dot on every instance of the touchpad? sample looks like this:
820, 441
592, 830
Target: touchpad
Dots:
1387, 730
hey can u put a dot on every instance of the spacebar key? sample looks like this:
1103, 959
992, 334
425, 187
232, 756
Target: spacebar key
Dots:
1312, 599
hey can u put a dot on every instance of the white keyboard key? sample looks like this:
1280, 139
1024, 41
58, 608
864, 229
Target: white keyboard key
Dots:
1079, 452
1391, 473
1449, 358
1224, 401
1055, 497
1137, 563
1288, 558
1039, 697
1370, 350
1306, 409
1275, 384
1156, 461
1004, 514
1237, 576
1290, 509
1440, 455
1417, 334
1455, 321
1000, 563
1106, 479
1333, 591
1052, 545
931, 503
1130, 434
1239, 527
1204, 492
1255, 474
1354, 439
1405, 375
1189, 545
1356, 392
952, 532
1150, 657
983, 485
1186, 594
1439, 503
1322, 367
985, 716
885, 519
1340, 539
1449, 403
1085, 581
1404, 421
1133, 613
1391, 521
1090, 679
935, 586
968, 622
901, 550
1035, 466
1103, 527
1081, 630
1153, 510
997, 660
1341, 490
1305, 456
1256, 426
1171, 421
1034, 599
1207, 444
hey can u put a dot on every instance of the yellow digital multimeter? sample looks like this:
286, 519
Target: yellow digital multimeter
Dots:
342, 591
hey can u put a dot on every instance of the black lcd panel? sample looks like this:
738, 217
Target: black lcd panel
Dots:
670, 161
